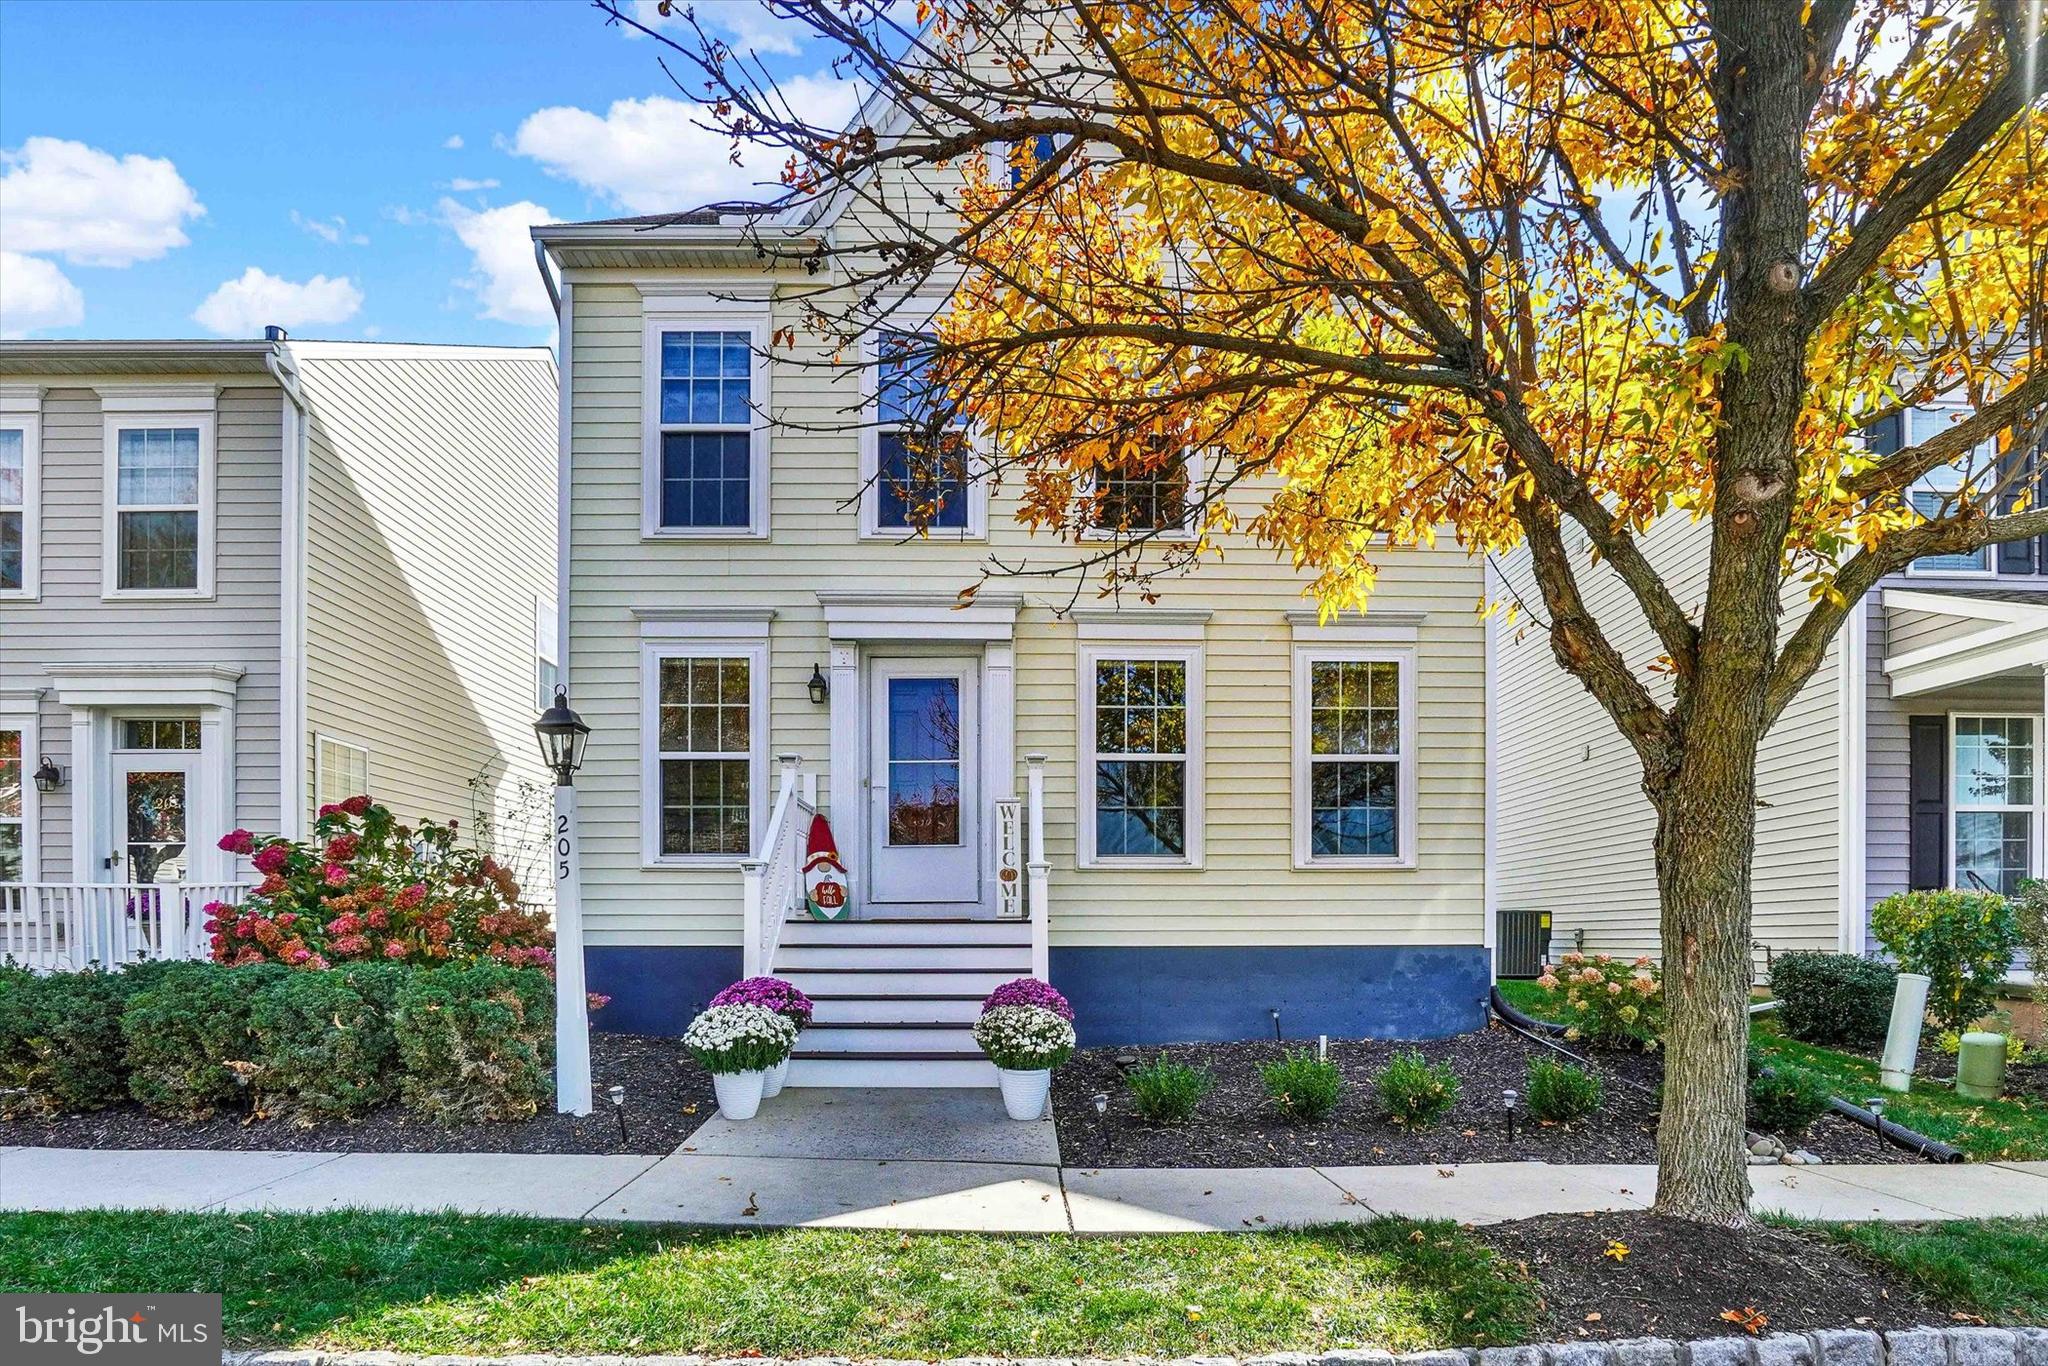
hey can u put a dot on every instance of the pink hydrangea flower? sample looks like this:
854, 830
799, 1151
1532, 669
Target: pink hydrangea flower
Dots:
336, 875
394, 950
238, 842
273, 858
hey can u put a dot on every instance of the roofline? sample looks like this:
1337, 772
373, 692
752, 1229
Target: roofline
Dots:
403, 350
155, 346
671, 236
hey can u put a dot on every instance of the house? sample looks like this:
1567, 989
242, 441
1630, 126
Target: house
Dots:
240, 579
1212, 816
1908, 762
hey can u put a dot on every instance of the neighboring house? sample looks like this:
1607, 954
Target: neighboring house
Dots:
1252, 821
239, 579
1915, 766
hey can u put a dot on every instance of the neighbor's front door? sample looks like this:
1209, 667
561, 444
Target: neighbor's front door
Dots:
924, 784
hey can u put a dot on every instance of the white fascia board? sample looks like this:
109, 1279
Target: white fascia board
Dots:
1986, 654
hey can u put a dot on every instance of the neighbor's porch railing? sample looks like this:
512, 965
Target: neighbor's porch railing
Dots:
773, 885
66, 926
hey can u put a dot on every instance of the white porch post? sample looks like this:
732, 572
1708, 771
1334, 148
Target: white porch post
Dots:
847, 810
1037, 870
572, 1009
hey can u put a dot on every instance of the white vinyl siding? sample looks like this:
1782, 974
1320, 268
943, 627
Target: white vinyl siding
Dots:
340, 770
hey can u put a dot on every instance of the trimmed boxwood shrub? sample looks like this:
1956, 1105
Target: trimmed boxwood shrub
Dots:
1415, 1092
475, 1042
1560, 1092
324, 1042
60, 1042
1787, 1099
1167, 1092
1834, 999
1303, 1086
188, 1036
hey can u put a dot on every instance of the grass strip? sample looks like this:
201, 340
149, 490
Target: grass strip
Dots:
1996, 1269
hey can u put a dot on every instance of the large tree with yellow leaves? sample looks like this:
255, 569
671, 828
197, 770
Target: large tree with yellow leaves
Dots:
1501, 267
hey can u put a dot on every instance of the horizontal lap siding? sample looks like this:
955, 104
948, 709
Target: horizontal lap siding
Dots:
70, 623
431, 534
1246, 894
1575, 829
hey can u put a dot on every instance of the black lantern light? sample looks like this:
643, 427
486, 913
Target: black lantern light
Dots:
820, 689
562, 737
48, 777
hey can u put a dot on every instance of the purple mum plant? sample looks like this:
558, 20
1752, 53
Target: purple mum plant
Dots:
1029, 991
770, 993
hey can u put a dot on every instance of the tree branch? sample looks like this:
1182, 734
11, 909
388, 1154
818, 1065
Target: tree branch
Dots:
1901, 468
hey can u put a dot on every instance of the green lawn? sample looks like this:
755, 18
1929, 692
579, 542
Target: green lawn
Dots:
1994, 1268
1985, 1129
447, 1283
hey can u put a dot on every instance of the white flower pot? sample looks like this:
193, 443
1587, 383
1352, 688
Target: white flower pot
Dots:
772, 1079
1024, 1093
739, 1093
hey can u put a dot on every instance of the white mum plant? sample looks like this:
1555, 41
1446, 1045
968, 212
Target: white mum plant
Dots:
728, 1039
1024, 1038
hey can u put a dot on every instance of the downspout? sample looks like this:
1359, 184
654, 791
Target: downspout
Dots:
291, 607
1853, 743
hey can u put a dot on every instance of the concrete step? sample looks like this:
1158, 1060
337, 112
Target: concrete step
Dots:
906, 931
1012, 958
946, 1071
914, 1034
897, 981
964, 1008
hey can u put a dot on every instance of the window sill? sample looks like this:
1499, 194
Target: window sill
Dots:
693, 863
705, 534
1144, 865
1139, 534
1913, 573
1337, 863
908, 537
139, 595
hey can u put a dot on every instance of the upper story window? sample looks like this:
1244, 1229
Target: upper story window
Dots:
706, 444
915, 460
1156, 500
1141, 747
158, 524
1935, 493
20, 493
1025, 157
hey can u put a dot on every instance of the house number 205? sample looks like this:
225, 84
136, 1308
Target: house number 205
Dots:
563, 846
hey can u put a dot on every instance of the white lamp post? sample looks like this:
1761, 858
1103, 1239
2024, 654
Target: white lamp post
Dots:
562, 738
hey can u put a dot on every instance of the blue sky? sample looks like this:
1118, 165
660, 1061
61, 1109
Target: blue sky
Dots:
349, 168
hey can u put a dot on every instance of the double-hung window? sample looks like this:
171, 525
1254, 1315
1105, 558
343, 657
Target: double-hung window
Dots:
916, 458
159, 497
341, 769
705, 429
1141, 747
1354, 757
704, 749
1995, 802
1152, 502
1937, 493
20, 495
14, 799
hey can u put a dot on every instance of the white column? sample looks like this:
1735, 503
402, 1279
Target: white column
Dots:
846, 721
572, 1009
1037, 870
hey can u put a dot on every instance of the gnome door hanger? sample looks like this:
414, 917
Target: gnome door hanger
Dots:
824, 875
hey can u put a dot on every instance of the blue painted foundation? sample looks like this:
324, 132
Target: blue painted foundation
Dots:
657, 990
1189, 995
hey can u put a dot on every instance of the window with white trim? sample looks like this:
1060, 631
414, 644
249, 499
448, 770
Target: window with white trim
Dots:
1157, 501
20, 499
158, 525
340, 770
1935, 493
706, 442
13, 806
547, 658
1994, 802
1354, 738
706, 745
916, 458
1141, 748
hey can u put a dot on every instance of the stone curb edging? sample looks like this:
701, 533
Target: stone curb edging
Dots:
1828, 1347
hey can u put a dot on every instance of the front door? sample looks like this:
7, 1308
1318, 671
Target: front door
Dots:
152, 796
924, 785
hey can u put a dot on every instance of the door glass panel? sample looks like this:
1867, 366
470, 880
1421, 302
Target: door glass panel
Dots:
924, 761
154, 806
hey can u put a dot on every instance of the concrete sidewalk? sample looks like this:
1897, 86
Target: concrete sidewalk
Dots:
945, 1160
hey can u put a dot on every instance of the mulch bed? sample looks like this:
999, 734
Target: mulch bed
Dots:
1236, 1126
1678, 1279
667, 1096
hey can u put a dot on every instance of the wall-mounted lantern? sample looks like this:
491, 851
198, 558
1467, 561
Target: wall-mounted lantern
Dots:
821, 691
48, 777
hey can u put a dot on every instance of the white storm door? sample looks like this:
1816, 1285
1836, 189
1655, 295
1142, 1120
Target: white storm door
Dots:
924, 783
153, 817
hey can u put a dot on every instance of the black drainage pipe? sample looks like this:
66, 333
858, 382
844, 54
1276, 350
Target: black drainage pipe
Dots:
1933, 1149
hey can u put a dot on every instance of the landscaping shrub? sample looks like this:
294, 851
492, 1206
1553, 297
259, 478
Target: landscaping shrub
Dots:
60, 1042
366, 888
1560, 1092
324, 1042
188, 1042
1962, 941
1415, 1092
1303, 1085
1168, 1092
1612, 1003
1787, 1099
1835, 999
475, 1041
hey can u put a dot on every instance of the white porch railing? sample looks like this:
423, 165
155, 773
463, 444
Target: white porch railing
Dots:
773, 885
67, 926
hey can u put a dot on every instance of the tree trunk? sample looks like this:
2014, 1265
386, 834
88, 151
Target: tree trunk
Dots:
1706, 835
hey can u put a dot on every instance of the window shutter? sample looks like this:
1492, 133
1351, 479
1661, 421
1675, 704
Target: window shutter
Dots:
2016, 479
1927, 801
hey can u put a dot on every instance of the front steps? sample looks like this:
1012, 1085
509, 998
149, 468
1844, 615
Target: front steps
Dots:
896, 999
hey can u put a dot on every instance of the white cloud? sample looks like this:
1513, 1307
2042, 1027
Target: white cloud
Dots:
333, 230
241, 307
93, 209
464, 185
747, 23
453, 142
34, 295
503, 276
655, 155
